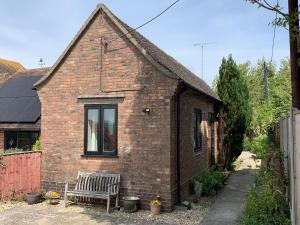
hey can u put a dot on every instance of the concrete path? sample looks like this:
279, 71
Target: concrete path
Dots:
230, 204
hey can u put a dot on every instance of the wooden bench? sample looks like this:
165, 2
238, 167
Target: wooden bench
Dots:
95, 185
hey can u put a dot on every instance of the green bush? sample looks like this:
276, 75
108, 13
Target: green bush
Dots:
259, 145
13, 150
266, 204
263, 207
212, 181
37, 145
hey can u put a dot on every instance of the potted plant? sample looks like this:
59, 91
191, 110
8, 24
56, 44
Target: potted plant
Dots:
155, 206
53, 197
33, 197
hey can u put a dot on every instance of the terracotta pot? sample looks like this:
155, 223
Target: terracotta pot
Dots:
155, 209
53, 201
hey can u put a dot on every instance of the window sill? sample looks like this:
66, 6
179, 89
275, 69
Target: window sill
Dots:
99, 156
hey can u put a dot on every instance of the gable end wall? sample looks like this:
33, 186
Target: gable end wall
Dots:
144, 158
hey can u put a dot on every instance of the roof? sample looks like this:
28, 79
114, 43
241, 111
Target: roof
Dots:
155, 55
33, 72
8, 66
19, 102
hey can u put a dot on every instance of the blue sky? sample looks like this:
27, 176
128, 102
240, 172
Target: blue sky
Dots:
34, 29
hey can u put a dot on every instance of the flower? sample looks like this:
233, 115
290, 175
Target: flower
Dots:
155, 202
52, 194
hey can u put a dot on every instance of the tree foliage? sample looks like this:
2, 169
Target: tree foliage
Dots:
266, 113
283, 19
233, 91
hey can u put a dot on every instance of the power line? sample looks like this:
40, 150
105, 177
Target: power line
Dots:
144, 24
274, 34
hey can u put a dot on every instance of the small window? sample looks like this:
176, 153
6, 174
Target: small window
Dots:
197, 130
20, 139
100, 130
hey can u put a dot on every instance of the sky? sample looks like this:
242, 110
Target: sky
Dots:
34, 29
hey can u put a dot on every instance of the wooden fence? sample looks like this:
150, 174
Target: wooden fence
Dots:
21, 174
290, 146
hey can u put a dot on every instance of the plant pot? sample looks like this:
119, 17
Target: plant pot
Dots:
53, 201
155, 209
130, 204
33, 198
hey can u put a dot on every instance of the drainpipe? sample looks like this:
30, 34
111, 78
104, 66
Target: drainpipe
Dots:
178, 142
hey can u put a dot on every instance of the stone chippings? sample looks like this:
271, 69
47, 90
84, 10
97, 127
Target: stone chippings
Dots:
96, 214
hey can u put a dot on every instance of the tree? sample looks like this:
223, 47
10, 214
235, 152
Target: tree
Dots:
265, 114
232, 89
290, 21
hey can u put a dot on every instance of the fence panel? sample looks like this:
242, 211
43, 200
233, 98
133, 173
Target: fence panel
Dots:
21, 174
290, 146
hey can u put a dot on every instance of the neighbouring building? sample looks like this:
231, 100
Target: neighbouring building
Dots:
115, 102
8, 68
20, 110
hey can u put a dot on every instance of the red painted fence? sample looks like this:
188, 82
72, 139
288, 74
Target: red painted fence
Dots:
21, 174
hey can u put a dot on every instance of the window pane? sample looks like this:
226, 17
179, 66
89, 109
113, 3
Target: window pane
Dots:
10, 140
24, 141
109, 123
92, 130
197, 129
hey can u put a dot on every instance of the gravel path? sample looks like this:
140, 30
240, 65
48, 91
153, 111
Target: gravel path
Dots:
43, 213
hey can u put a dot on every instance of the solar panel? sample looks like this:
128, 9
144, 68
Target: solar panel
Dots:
18, 101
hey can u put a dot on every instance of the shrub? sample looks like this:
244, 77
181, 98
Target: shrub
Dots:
13, 150
267, 204
37, 145
259, 145
263, 207
212, 181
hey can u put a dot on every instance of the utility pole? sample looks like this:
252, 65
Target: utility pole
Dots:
202, 45
294, 52
266, 82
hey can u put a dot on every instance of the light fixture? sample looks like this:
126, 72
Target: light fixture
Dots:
146, 110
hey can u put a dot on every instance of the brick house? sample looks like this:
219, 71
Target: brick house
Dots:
19, 108
114, 101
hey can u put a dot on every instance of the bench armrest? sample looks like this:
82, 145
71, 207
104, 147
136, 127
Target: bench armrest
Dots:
113, 184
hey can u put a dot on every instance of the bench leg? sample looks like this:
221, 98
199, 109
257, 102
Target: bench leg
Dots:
108, 204
66, 197
117, 201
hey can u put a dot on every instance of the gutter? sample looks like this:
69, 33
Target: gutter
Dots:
178, 142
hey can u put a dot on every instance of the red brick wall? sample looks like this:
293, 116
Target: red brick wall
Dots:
143, 140
192, 163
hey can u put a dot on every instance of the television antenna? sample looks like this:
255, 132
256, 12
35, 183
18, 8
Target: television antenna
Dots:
41, 62
202, 45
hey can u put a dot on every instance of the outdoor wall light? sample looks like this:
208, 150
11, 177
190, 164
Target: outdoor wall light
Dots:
146, 110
